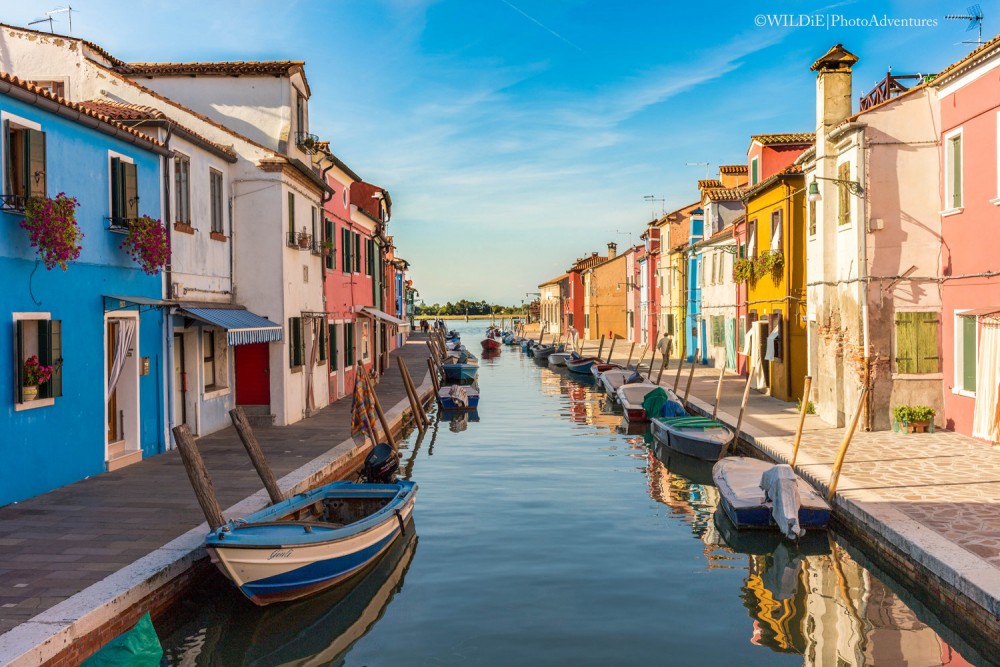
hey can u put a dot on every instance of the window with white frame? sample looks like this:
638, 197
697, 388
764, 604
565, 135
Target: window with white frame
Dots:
24, 162
953, 170
754, 171
124, 192
216, 199
37, 357
182, 189
966, 361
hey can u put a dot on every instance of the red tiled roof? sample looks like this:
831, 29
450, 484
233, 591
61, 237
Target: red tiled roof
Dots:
786, 138
222, 68
733, 169
790, 170
709, 183
41, 92
555, 280
724, 194
584, 263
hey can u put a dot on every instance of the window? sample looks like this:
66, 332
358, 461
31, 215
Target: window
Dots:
718, 330
345, 247
182, 187
776, 231
208, 354
917, 343
37, 335
314, 221
295, 342
365, 340
953, 170
741, 333
670, 323
843, 194
812, 218
300, 113
322, 345
331, 244
752, 239
569, 319
332, 331
775, 326
349, 344
715, 269
370, 257
357, 253
124, 193
965, 354
586, 320
291, 218
215, 183
754, 171
57, 88
24, 164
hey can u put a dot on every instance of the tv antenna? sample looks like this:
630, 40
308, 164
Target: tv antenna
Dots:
628, 234
49, 18
974, 15
700, 164
652, 199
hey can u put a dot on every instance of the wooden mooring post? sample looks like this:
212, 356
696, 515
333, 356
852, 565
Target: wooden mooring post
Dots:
680, 365
600, 348
642, 355
611, 351
687, 388
802, 419
434, 378
630, 352
194, 465
389, 437
845, 443
718, 387
243, 429
664, 360
743, 408
419, 418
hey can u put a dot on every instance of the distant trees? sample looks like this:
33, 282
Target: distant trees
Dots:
465, 307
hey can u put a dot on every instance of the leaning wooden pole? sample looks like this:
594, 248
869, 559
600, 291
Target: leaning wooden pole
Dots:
743, 407
611, 350
664, 360
413, 388
194, 465
680, 365
630, 352
718, 387
687, 387
418, 418
842, 453
600, 348
389, 437
802, 419
242, 426
434, 378
642, 355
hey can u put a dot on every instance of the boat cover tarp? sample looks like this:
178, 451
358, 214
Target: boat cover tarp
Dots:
139, 647
659, 403
782, 489
703, 423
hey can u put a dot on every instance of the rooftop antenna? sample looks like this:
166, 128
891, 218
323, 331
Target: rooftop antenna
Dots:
652, 199
700, 164
37, 21
49, 18
628, 234
974, 15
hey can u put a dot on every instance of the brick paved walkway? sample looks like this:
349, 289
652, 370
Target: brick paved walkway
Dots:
57, 544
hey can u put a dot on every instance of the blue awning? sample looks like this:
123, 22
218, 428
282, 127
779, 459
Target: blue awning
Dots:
242, 327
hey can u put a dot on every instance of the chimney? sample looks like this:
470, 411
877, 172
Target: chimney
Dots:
833, 89
612, 250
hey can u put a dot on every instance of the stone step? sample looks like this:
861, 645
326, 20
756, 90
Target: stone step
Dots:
259, 421
116, 449
124, 459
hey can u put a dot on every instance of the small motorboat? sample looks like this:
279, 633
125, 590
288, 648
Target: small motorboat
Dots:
544, 351
527, 344
600, 368
316, 539
760, 495
614, 378
458, 397
490, 344
581, 365
700, 437
631, 397
460, 372
559, 358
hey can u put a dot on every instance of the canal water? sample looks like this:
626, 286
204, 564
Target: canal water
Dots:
549, 532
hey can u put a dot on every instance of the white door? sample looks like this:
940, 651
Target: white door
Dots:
179, 380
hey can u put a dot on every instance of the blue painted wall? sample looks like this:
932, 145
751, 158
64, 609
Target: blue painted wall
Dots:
46, 447
692, 343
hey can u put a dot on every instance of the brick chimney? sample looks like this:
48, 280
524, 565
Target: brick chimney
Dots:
612, 250
833, 88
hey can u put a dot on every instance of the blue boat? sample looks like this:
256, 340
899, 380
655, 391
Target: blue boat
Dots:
311, 541
526, 344
581, 365
460, 372
457, 397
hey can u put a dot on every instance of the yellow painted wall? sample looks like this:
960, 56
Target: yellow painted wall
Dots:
768, 294
607, 300
678, 299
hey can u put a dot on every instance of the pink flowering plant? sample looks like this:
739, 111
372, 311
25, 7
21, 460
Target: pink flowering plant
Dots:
148, 244
52, 228
35, 373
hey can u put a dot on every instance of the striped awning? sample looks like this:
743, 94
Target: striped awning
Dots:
384, 316
242, 327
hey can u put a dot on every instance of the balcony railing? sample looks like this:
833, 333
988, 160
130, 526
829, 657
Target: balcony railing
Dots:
300, 240
306, 141
119, 225
12, 203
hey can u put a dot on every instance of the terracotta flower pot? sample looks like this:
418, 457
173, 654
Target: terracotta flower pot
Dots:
29, 392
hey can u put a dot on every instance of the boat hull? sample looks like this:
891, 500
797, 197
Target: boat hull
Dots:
490, 344
631, 397
747, 507
268, 565
704, 444
581, 367
558, 358
449, 403
460, 371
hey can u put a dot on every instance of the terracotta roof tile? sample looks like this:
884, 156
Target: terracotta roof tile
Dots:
41, 92
222, 68
724, 194
122, 111
790, 170
786, 138
733, 169
584, 263
709, 183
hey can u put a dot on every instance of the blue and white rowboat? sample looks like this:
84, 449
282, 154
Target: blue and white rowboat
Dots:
311, 541
460, 372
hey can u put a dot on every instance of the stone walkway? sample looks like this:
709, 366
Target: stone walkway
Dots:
933, 497
55, 545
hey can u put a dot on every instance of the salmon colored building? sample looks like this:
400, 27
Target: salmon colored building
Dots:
575, 318
970, 192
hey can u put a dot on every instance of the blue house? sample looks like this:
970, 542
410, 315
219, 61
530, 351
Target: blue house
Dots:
99, 323
695, 332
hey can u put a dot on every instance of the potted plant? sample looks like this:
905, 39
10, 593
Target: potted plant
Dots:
327, 247
303, 241
51, 226
147, 243
33, 374
743, 270
913, 418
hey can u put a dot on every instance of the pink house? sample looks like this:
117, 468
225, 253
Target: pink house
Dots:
970, 195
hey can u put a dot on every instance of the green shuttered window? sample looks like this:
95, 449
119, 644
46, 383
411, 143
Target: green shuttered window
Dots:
331, 256
41, 338
295, 342
124, 193
917, 343
968, 356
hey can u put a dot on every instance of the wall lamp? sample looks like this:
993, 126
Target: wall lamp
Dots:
852, 186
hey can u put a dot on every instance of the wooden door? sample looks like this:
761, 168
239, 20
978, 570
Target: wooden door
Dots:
253, 374
180, 381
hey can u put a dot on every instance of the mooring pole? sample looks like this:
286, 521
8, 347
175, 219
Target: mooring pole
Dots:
664, 360
743, 407
842, 453
414, 403
389, 437
600, 348
194, 465
434, 378
611, 351
718, 387
631, 350
680, 365
642, 355
687, 387
242, 426
802, 419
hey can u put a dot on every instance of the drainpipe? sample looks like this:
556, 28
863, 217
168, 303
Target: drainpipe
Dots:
787, 343
168, 315
863, 283
169, 273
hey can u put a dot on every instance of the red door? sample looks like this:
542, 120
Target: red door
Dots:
253, 374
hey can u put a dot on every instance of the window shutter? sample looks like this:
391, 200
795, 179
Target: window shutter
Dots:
18, 360
927, 327
906, 343
116, 190
322, 343
36, 181
956, 172
131, 209
333, 347
357, 253
843, 196
969, 353
345, 249
45, 354
295, 344
8, 184
291, 215
330, 233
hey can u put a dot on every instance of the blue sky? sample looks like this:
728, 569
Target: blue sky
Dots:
518, 135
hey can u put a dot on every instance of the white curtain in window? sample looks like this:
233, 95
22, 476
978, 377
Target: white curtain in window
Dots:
123, 343
986, 417
313, 358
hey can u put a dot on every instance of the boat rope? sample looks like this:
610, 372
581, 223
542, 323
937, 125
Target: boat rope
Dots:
402, 527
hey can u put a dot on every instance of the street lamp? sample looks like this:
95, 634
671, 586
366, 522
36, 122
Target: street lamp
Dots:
853, 187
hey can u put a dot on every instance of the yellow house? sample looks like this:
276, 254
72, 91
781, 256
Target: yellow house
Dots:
776, 296
608, 293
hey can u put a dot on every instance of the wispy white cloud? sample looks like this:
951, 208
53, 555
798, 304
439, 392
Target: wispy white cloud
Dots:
541, 25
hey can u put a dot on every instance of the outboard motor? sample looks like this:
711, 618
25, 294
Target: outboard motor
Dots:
380, 465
